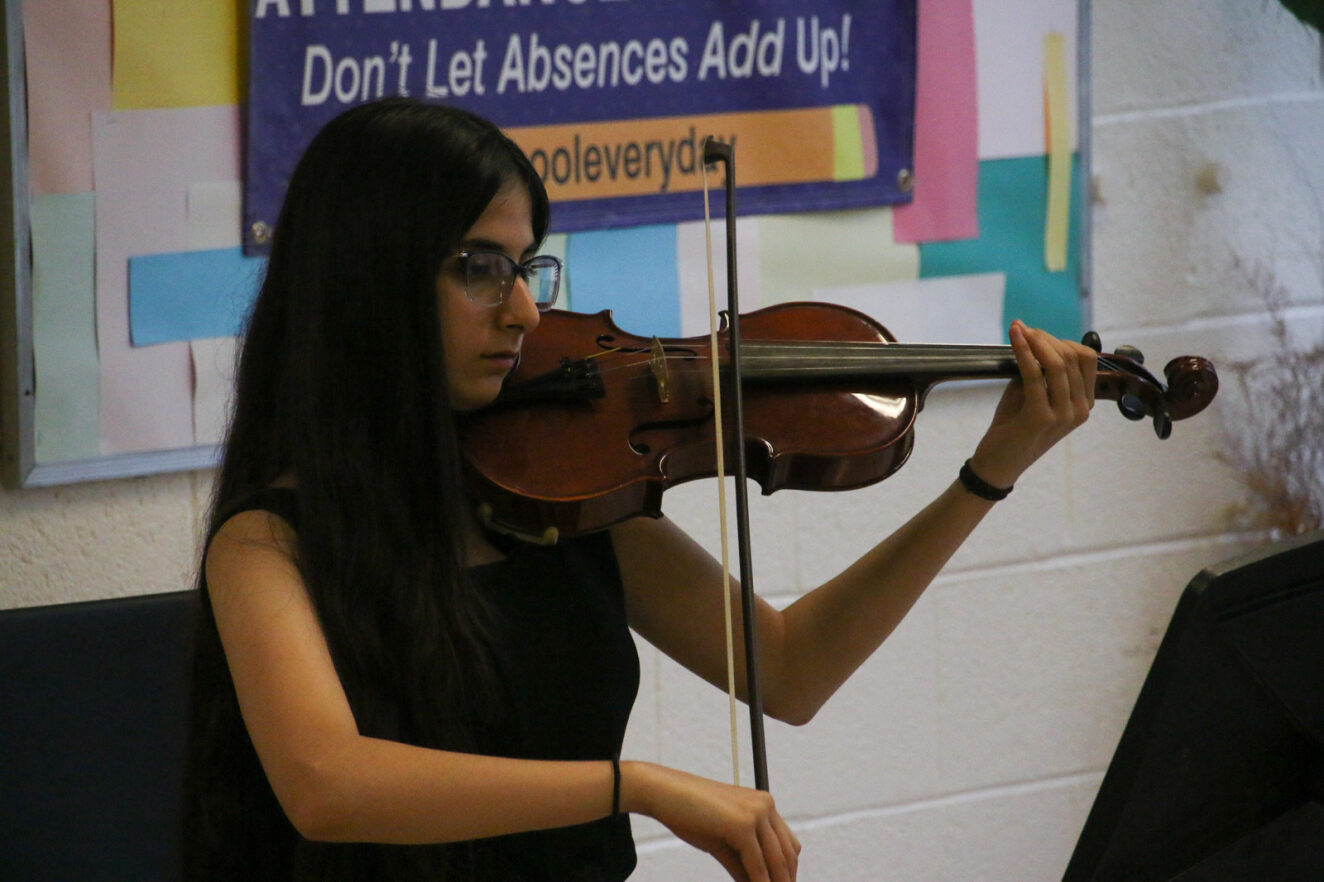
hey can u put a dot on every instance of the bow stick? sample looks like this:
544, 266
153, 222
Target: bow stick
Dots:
718, 152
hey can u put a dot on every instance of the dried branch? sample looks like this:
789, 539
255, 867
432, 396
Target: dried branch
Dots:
1274, 435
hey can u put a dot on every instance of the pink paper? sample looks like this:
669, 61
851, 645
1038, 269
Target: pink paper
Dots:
946, 129
67, 51
145, 161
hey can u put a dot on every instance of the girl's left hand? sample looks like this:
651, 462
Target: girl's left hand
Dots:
1053, 396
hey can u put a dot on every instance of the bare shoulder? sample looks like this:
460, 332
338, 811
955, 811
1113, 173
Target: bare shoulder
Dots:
250, 535
250, 563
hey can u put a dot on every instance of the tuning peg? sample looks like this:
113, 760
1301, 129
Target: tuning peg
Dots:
1132, 353
1162, 425
1091, 339
1131, 407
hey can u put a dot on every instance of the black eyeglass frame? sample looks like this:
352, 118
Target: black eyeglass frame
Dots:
516, 269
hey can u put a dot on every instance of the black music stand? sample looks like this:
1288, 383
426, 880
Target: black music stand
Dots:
1219, 774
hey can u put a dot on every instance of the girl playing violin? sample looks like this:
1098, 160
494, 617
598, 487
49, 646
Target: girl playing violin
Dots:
385, 691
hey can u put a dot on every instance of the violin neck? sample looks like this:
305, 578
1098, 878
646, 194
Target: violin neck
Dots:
815, 361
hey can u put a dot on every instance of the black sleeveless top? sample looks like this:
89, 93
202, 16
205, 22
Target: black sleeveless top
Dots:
570, 672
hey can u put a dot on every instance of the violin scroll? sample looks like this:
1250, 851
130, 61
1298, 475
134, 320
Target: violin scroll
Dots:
1192, 384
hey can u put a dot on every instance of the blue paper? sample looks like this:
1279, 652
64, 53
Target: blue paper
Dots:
632, 272
190, 295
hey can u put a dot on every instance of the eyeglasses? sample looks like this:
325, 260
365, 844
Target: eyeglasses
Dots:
489, 277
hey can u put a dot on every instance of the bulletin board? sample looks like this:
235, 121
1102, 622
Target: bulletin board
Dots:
133, 261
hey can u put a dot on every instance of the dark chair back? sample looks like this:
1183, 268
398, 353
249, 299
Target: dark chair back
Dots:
93, 717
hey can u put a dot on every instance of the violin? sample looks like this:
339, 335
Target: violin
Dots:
596, 423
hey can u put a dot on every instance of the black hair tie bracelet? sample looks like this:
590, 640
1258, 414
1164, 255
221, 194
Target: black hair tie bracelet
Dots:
979, 487
615, 786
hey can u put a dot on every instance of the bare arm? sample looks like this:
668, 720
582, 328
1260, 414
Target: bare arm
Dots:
809, 649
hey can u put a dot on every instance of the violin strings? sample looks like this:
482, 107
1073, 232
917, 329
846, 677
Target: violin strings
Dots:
801, 353
863, 359
808, 357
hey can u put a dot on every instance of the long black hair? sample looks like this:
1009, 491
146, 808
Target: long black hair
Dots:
341, 385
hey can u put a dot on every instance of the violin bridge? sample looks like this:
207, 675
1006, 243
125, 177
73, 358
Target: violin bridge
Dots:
661, 372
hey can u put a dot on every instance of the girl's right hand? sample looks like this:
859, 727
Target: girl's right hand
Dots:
738, 826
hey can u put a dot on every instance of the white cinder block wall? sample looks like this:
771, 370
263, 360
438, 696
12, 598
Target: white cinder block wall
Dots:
971, 746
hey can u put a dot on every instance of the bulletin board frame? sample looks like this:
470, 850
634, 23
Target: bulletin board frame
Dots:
19, 390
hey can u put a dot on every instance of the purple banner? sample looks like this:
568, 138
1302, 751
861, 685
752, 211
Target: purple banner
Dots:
611, 99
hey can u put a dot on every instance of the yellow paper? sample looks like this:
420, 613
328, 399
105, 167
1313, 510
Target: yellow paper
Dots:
177, 53
1059, 153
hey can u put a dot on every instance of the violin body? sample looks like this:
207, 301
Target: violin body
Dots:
596, 423
581, 465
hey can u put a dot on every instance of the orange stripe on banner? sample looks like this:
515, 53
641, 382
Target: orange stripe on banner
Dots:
599, 160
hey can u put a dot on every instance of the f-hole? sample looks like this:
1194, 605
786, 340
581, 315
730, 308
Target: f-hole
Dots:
643, 448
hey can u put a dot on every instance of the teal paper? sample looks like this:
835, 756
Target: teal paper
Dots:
1013, 203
